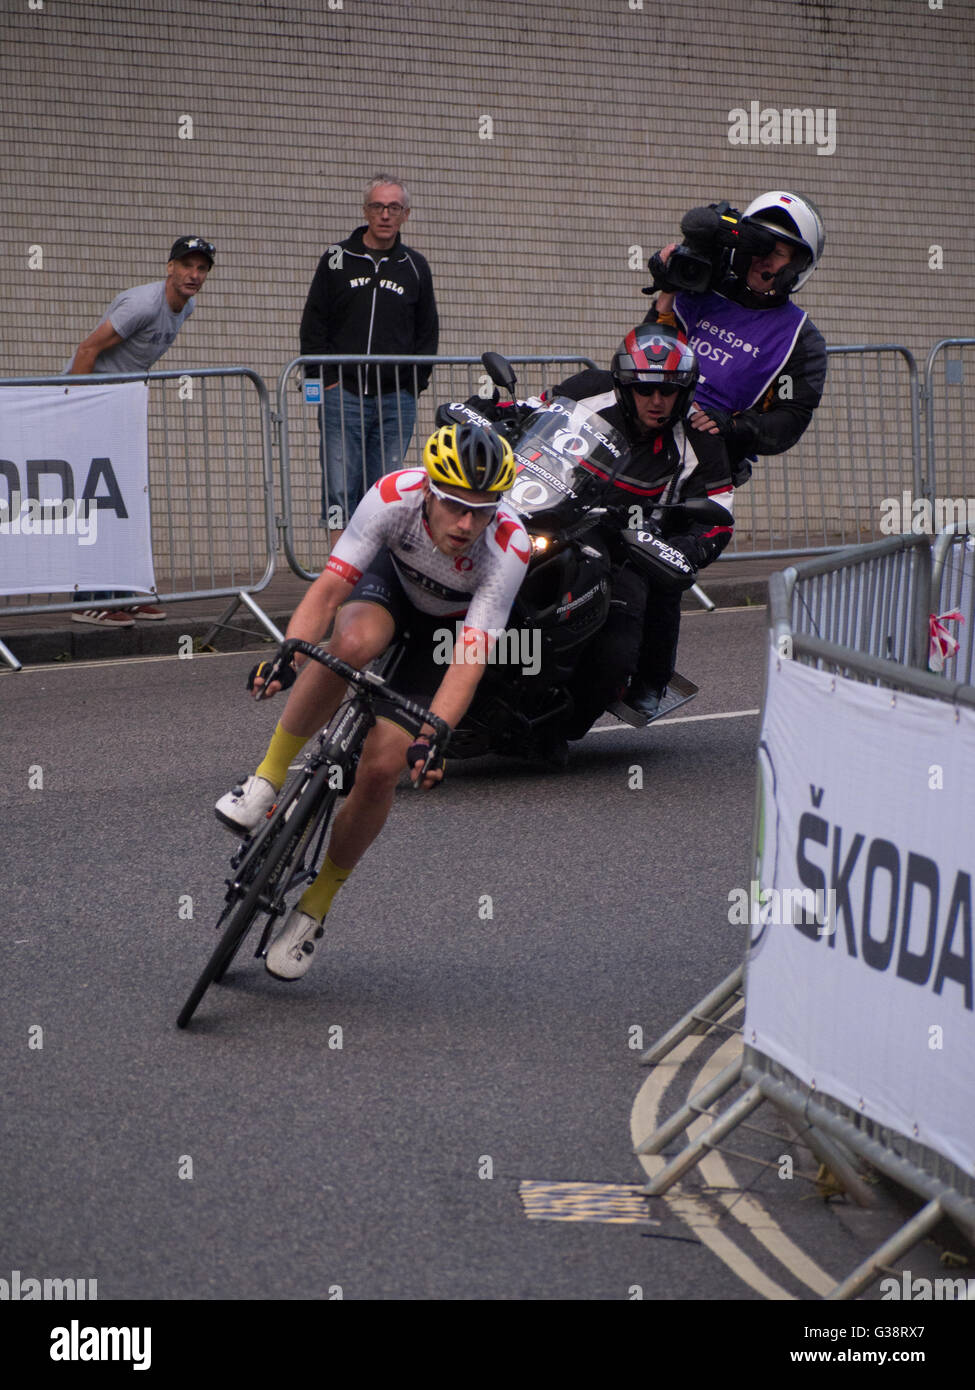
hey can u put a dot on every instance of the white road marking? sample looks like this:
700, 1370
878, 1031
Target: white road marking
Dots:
616, 727
711, 612
174, 656
119, 661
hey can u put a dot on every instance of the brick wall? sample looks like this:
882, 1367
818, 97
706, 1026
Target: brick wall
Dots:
608, 122
542, 141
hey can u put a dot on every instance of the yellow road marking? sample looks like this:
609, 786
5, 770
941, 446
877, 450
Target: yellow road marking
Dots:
745, 1208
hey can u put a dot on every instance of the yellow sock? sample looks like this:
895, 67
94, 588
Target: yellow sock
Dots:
317, 897
281, 752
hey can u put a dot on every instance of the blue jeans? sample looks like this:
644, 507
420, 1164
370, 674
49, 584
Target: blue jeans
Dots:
375, 430
100, 597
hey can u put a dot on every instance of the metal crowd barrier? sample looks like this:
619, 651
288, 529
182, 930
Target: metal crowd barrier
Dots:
951, 473
315, 507
872, 599
843, 615
211, 485
862, 447
211, 471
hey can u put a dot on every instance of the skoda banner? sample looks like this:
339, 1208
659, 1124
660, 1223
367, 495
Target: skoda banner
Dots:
74, 489
860, 968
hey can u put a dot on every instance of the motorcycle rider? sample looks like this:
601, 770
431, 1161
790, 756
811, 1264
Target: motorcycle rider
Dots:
645, 395
763, 360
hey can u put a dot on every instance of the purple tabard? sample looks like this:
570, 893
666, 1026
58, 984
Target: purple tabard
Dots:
740, 351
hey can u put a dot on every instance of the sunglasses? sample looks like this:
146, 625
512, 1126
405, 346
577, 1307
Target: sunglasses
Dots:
641, 388
458, 508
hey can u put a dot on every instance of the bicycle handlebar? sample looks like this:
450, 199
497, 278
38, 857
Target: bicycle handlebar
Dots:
364, 680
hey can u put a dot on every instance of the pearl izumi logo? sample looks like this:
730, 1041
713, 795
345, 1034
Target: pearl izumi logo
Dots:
77, 1343
793, 125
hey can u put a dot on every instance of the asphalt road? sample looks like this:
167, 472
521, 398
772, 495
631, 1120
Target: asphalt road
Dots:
466, 1029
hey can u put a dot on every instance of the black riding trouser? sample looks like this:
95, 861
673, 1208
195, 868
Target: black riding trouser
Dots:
638, 638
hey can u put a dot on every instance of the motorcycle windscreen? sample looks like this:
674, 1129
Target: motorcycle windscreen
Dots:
563, 446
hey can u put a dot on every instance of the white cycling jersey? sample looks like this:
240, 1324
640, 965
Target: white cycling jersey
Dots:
481, 584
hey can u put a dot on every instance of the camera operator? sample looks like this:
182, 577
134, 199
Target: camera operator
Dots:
728, 287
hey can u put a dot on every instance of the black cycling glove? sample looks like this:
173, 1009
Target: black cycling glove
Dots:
419, 752
287, 674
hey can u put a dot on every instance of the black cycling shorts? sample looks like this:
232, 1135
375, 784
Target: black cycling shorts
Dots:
418, 673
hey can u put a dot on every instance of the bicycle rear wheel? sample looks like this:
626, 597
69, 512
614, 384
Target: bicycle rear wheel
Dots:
259, 894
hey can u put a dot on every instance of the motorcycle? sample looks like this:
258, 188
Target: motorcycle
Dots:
567, 457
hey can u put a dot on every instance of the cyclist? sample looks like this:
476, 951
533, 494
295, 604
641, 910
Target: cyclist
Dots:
425, 545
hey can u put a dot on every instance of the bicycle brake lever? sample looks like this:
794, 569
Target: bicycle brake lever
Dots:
418, 784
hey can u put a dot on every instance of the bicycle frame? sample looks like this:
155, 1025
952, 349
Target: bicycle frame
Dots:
265, 871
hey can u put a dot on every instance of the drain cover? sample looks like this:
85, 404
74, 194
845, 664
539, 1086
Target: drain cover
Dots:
585, 1201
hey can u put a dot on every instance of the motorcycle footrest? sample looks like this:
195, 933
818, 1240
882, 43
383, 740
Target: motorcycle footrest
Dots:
679, 691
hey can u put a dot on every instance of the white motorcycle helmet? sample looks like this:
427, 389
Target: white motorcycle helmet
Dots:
797, 221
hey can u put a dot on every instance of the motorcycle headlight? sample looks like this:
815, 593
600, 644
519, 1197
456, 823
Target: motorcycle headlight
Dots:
540, 544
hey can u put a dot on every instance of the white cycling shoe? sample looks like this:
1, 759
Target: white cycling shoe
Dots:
243, 809
290, 953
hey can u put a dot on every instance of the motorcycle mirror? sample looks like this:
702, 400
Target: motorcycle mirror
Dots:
500, 370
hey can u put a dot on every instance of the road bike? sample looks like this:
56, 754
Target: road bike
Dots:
283, 853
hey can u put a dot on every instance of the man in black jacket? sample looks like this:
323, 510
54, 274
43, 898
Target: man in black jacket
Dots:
370, 294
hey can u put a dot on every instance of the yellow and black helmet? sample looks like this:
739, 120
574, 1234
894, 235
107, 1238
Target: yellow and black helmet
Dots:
470, 456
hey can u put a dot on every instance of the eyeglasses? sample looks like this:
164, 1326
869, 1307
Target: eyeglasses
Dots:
394, 209
665, 389
458, 508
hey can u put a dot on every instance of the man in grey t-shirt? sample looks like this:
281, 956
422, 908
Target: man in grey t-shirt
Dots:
140, 325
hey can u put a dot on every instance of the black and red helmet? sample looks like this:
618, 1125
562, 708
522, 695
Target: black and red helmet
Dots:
654, 354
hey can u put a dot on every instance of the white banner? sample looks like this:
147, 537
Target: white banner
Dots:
860, 973
74, 489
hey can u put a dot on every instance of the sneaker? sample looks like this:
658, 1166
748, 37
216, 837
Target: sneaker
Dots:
147, 613
243, 809
290, 953
103, 617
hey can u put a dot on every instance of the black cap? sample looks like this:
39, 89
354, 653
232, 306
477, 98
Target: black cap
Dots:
186, 245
